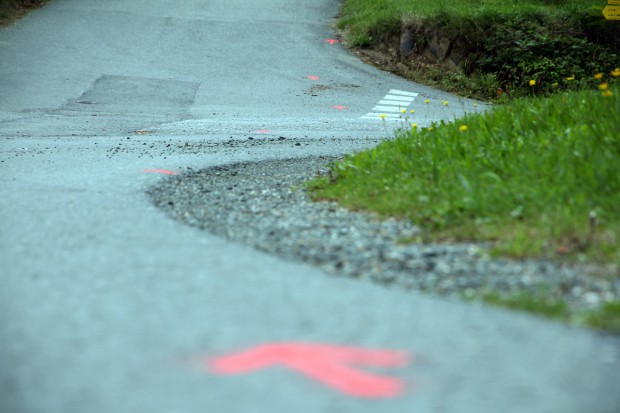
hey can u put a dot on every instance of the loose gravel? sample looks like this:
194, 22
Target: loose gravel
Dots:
265, 205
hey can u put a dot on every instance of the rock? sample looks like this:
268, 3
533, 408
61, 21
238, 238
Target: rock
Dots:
439, 47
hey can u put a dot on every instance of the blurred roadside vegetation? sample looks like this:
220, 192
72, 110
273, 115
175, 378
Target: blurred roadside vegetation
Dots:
503, 44
11, 10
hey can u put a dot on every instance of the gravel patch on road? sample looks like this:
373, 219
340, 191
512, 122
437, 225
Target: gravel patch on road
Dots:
265, 205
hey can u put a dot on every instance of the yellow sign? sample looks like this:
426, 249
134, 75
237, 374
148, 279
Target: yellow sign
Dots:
613, 2
612, 12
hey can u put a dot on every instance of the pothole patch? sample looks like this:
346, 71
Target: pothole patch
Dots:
136, 95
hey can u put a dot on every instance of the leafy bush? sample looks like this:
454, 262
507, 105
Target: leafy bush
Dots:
517, 41
555, 54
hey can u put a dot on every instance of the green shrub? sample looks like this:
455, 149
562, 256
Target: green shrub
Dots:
549, 52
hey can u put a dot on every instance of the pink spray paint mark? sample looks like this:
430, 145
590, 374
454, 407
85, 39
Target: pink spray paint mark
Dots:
159, 171
262, 131
339, 107
331, 41
313, 77
330, 365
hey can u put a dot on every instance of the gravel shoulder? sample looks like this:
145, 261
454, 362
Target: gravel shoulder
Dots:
265, 205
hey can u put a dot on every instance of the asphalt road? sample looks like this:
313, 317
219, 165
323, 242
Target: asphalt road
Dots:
106, 305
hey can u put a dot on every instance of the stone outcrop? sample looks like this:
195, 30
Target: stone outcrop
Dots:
435, 46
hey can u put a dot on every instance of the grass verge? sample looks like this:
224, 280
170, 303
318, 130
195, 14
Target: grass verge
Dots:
499, 45
539, 177
377, 17
606, 317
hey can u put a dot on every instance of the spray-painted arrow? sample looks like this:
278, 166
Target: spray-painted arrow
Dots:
328, 364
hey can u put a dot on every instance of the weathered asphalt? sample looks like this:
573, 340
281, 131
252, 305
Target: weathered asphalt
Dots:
106, 305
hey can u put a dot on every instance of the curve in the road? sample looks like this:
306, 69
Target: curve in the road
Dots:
103, 298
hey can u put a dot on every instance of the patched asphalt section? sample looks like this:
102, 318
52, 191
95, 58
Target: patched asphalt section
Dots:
265, 205
137, 95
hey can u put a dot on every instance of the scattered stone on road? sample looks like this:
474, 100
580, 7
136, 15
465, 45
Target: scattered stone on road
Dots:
265, 205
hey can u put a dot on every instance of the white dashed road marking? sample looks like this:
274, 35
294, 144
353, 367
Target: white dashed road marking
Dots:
391, 105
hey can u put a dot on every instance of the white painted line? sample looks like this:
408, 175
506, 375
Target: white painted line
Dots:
386, 108
379, 119
393, 102
377, 116
387, 115
391, 106
399, 98
403, 93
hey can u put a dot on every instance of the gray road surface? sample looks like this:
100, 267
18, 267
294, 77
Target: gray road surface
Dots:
106, 305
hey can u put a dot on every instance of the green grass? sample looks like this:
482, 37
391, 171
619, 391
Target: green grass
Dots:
605, 318
502, 44
524, 301
537, 178
365, 17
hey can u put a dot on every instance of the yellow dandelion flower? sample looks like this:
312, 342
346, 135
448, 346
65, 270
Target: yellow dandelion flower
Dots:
414, 126
556, 84
412, 111
427, 100
403, 110
603, 86
532, 82
430, 128
571, 77
463, 128
382, 116
615, 72
598, 76
607, 93
444, 102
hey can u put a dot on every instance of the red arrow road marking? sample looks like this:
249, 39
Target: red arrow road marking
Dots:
332, 41
160, 171
339, 107
328, 364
